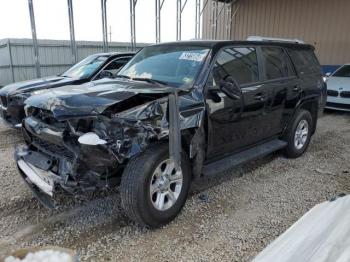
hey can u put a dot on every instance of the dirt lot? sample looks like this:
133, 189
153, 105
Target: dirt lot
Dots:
229, 218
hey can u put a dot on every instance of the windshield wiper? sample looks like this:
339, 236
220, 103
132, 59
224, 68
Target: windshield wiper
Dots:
150, 80
122, 76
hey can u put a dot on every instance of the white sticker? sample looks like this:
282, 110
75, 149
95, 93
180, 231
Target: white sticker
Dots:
192, 56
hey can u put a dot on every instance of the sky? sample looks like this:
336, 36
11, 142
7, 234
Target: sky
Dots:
52, 20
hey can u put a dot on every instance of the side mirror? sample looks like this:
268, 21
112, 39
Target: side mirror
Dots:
105, 74
231, 88
328, 74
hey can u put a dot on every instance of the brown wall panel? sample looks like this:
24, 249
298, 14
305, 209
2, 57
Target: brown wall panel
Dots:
323, 23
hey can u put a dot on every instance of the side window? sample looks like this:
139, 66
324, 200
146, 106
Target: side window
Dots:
240, 63
305, 61
276, 63
116, 64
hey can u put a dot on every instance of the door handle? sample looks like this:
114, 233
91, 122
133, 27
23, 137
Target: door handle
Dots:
260, 97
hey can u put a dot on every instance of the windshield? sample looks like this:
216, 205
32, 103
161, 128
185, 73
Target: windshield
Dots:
173, 65
86, 67
344, 71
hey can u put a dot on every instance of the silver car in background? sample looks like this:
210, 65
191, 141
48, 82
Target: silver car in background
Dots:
338, 89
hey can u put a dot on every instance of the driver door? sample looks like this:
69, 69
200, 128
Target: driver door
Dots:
235, 123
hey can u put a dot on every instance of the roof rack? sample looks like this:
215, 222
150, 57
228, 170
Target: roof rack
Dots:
272, 39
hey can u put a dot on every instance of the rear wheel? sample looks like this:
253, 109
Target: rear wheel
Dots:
299, 134
152, 191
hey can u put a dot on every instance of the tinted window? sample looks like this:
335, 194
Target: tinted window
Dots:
344, 71
115, 65
240, 63
305, 61
276, 62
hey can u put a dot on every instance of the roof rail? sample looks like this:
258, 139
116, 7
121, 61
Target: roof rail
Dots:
272, 39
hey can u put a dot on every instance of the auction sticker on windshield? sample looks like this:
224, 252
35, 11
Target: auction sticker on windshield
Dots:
192, 56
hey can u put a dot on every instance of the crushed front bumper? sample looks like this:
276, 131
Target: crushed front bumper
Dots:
48, 164
33, 168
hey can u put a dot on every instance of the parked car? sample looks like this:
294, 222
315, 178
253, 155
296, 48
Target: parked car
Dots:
93, 67
338, 89
176, 112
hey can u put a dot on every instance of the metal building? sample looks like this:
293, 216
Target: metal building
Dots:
17, 61
323, 23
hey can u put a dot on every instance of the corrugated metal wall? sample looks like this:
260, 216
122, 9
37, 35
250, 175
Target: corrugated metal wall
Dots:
323, 23
54, 55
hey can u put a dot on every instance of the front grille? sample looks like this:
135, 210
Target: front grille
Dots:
52, 149
337, 105
332, 93
3, 100
345, 94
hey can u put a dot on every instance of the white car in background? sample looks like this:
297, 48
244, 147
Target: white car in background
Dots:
338, 89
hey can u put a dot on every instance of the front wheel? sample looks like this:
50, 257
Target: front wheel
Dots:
152, 191
299, 134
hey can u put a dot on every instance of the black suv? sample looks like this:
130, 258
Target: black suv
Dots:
93, 67
176, 112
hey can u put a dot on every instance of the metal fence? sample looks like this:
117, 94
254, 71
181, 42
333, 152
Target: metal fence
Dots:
17, 61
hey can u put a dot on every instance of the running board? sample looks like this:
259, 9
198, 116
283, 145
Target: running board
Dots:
243, 157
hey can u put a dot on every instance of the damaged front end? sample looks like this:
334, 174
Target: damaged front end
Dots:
82, 154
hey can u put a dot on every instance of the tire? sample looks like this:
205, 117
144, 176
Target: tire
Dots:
135, 189
295, 149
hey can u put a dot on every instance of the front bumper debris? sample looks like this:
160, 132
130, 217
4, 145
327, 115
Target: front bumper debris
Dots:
33, 169
37, 176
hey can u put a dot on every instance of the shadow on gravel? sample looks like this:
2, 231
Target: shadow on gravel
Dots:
84, 221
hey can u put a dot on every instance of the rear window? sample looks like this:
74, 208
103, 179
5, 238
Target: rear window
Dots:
277, 63
305, 61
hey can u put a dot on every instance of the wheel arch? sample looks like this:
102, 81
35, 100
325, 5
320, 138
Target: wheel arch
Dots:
310, 104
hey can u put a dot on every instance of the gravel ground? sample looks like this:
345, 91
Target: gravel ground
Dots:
231, 217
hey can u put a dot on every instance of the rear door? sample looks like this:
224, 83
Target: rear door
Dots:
235, 124
309, 72
282, 86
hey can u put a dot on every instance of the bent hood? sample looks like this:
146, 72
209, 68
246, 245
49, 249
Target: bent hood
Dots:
35, 84
93, 98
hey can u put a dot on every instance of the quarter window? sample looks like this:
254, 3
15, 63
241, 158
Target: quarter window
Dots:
276, 62
305, 61
240, 63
